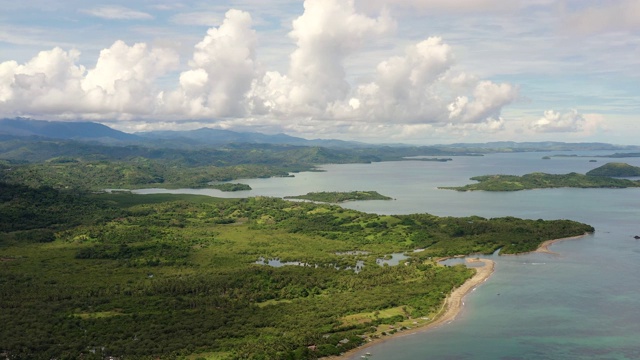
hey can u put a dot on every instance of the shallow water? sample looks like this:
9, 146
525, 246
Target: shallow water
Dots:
581, 303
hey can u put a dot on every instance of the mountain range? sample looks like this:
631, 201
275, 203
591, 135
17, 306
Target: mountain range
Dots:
95, 132
206, 137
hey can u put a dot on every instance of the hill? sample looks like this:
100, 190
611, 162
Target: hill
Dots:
615, 169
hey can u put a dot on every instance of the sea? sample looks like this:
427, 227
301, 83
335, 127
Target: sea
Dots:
582, 302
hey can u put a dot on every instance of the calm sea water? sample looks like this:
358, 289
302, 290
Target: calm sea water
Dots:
583, 303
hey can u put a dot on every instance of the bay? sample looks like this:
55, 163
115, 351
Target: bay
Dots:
581, 303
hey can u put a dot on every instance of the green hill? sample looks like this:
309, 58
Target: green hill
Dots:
615, 169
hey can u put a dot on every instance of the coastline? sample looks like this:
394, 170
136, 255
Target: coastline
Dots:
544, 247
450, 308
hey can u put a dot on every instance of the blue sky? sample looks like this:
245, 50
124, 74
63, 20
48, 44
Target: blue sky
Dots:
414, 71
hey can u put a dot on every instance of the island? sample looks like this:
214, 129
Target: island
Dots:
615, 169
427, 159
542, 181
338, 197
231, 187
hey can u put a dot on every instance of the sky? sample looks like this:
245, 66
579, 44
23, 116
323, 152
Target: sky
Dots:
378, 71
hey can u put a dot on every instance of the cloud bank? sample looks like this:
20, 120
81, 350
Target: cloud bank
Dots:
225, 82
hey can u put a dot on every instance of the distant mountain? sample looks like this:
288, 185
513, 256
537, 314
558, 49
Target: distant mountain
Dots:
208, 136
90, 131
63, 130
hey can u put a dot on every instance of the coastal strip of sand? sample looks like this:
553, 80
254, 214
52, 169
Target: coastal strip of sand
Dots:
451, 307
544, 247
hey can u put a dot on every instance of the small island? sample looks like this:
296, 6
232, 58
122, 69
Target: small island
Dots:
338, 197
231, 187
615, 169
542, 181
427, 159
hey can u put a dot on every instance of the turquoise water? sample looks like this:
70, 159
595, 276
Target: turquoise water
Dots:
583, 303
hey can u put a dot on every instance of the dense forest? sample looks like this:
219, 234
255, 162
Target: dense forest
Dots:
87, 275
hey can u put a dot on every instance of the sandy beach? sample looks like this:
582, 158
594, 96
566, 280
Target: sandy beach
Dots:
544, 247
451, 307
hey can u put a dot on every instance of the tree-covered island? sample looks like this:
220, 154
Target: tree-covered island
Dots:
338, 197
231, 187
131, 276
542, 181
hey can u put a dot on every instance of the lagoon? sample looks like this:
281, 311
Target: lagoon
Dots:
581, 303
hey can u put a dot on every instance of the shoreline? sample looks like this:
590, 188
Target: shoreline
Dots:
544, 247
450, 308
453, 303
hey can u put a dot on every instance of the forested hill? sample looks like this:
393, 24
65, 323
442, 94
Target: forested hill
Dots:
615, 169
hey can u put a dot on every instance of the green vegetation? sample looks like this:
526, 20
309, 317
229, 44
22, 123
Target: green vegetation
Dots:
338, 197
134, 173
231, 187
542, 181
66, 164
615, 169
428, 159
171, 276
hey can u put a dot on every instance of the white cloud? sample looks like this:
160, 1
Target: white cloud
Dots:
118, 13
53, 84
325, 34
420, 88
417, 89
553, 121
222, 70
488, 100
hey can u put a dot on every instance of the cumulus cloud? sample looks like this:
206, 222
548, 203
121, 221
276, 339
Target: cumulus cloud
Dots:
417, 89
53, 83
404, 88
486, 104
553, 121
325, 34
420, 88
222, 71
118, 13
